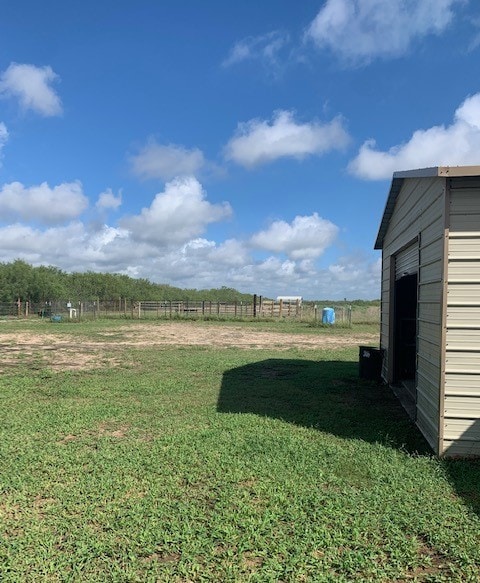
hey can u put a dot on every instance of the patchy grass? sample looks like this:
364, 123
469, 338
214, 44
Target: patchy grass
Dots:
114, 326
201, 464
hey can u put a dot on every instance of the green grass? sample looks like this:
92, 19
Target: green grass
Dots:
194, 464
92, 327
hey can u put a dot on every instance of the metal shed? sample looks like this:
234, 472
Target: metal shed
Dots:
430, 318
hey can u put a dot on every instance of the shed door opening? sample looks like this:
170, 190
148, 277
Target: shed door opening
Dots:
405, 331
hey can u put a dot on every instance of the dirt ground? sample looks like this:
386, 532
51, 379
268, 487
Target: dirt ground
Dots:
70, 351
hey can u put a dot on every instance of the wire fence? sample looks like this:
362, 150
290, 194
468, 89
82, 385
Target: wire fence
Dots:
61, 310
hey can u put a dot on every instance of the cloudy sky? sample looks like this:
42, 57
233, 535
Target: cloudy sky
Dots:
247, 144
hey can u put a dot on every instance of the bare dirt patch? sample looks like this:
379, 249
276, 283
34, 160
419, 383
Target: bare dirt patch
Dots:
49, 349
105, 429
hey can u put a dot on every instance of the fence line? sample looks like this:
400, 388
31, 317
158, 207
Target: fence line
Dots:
148, 309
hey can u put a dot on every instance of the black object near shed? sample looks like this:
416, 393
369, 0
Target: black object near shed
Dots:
370, 363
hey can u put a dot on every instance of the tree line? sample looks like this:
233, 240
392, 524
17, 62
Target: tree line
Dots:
19, 280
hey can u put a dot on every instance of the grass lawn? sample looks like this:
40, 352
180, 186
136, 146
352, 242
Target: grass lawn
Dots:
186, 464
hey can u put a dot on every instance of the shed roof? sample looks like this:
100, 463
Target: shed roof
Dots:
397, 182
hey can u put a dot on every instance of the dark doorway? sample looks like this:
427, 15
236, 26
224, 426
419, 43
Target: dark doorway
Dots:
405, 333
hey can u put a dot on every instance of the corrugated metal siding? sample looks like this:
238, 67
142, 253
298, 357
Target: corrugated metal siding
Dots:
464, 247
416, 207
462, 407
430, 293
465, 182
419, 211
462, 384
430, 389
460, 448
406, 261
428, 369
466, 224
462, 360
385, 313
462, 429
465, 212
462, 271
431, 314
463, 317
463, 339
427, 427
428, 347
431, 272
460, 294
431, 232
431, 251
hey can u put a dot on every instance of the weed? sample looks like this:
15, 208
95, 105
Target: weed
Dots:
208, 464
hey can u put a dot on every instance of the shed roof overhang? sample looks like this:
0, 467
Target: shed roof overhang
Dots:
397, 183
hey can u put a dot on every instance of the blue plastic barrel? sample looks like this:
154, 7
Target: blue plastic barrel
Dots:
328, 316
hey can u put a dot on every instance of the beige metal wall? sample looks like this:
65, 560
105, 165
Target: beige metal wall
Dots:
462, 360
420, 212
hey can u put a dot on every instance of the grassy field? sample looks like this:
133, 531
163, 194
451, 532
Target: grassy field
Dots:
199, 463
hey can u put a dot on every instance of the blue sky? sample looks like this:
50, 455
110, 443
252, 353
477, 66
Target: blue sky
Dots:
246, 144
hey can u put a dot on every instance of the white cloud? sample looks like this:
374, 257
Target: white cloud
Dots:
259, 142
42, 203
32, 86
273, 277
231, 253
163, 244
166, 161
305, 238
456, 144
354, 276
357, 276
270, 277
358, 31
265, 47
176, 215
107, 200
72, 247
198, 263
26, 242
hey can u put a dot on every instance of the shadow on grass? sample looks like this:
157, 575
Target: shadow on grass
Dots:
330, 397
464, 473
326, 395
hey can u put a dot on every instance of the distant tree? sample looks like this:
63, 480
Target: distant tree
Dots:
39, 284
